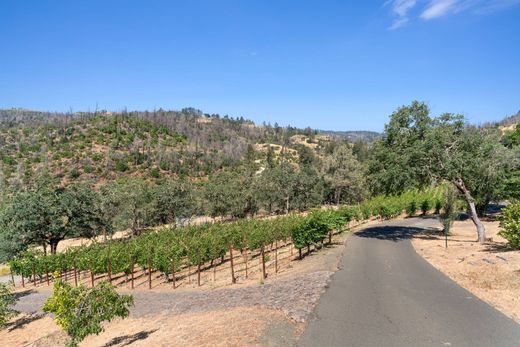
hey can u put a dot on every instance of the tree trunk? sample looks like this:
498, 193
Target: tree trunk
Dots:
337, 195
54, 246
481, 231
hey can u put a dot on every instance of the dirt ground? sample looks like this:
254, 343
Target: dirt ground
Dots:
490, 271
254, 312
235, 327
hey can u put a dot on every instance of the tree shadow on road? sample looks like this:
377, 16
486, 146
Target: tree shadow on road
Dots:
23, 293
396, 233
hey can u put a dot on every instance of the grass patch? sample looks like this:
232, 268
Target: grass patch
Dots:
4, 270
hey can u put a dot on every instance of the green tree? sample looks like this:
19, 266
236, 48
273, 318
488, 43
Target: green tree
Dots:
172, 200
345, 175
47, 215
510, 224
79, 311
418, 150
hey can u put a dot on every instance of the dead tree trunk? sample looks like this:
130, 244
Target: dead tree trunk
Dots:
481, 230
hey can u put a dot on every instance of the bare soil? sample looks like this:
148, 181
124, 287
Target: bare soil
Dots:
491, 271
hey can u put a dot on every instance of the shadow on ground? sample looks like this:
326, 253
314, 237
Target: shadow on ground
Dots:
397, 233
21, 294
129, 339
21, 322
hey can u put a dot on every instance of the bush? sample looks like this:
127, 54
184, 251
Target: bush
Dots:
510, 223
411, 208
7, 302
80, 311
425, 206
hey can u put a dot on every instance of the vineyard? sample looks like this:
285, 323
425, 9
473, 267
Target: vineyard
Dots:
247, 246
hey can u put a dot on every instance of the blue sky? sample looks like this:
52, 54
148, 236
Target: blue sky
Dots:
326, 64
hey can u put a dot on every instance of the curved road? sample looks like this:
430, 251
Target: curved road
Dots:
387, 295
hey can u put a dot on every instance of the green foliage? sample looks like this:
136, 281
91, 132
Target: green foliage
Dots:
7, 303
80, 311
451, 209
47, 215
411, 208
510, 224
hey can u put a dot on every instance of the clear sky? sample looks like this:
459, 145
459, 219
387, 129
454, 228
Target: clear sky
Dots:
342, 65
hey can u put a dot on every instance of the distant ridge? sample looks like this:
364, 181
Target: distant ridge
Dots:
353, 135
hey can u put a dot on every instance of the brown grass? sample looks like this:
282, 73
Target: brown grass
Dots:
491, 271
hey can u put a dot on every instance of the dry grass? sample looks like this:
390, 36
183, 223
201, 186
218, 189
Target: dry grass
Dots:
491, 271
4, 270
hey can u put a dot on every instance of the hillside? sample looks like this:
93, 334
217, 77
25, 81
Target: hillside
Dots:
101, 146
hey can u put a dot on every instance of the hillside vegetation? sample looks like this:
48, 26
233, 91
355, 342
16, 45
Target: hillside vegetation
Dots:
86, 174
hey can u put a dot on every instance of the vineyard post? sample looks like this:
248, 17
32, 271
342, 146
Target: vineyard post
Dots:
12, 277
132, 269
246, 251
330, 237
34, 274
233, 279
91, 275
108, 269
198, 266
263, 261
300, 253
276, 257
173, 271
75, 274
47, 274
308, 248
150, 272
215, 272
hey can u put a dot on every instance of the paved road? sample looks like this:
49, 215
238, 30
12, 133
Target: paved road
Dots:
387, 295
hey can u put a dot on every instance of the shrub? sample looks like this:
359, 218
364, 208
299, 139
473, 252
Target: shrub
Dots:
80, 311
425, 206
121, 166
411, 208
7, 302
510, 223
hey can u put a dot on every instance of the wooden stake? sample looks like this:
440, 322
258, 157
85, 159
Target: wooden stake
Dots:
34, 274
233, 279
264, 275
108, 270
198, 266
12, 278
23, 282
150, 273
91, 275
132, 272
75, 274
173, 271
246, 261
276, 257
330, 237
